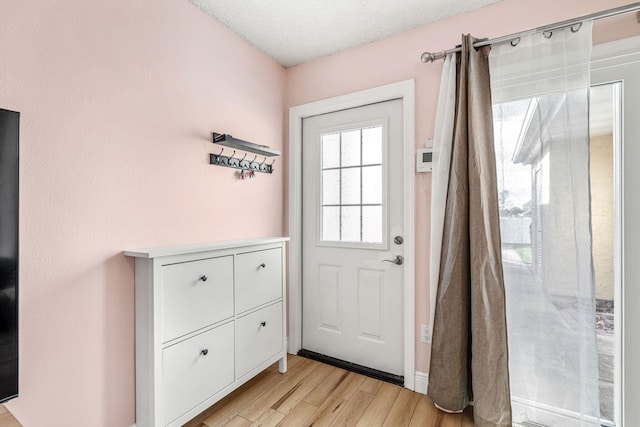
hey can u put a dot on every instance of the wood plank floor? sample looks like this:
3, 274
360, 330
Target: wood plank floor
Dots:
314, 394
6, 419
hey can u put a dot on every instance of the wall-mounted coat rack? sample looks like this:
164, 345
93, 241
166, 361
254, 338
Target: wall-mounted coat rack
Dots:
243, 163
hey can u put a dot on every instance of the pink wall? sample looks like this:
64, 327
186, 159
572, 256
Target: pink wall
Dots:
397, 58
117, 99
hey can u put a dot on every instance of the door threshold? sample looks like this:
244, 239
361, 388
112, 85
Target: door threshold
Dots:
353, 367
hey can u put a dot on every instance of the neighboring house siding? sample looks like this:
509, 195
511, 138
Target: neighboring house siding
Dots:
602, 214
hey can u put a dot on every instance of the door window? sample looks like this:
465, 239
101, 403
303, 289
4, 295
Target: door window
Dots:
352, 190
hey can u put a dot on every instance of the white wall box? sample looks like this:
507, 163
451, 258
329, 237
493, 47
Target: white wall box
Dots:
209, 317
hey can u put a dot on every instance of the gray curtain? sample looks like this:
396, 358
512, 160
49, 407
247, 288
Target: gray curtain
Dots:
469, 359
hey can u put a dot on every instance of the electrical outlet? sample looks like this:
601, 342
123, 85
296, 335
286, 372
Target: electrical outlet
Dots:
425, 335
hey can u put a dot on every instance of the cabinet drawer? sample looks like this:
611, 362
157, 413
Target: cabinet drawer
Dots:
259, 337
190, 376
196, 294
258, 278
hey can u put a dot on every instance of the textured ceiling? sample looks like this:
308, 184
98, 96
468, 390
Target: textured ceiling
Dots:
296, 31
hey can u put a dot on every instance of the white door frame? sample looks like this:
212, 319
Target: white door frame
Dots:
627, 374
402, 90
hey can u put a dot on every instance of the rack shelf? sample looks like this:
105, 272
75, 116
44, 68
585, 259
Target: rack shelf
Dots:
254, 165
238, 144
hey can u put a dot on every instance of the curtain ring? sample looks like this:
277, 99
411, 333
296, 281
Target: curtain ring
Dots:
515, 42
577, 27
547, 34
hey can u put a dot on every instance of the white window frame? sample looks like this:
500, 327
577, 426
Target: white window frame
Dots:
606, 58
384, 123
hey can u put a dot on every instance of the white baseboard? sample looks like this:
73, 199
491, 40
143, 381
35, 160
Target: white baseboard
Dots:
421, 382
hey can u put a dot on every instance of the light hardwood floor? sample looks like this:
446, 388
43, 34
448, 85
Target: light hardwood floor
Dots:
314, 394
6, 419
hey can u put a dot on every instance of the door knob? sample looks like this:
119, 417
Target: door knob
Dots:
398, 260
398, 240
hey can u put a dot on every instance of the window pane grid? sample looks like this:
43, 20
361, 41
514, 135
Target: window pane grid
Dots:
350, 167
340, 190
348, 216
361, 183
329, 205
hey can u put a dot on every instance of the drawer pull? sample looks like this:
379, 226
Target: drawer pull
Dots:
203, 278
204, 352
263, 323
263, 265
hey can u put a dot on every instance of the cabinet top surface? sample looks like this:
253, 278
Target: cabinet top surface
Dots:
163, 251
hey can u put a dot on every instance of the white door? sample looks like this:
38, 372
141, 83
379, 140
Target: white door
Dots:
352, 235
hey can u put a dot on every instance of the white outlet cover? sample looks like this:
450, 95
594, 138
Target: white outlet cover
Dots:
425, 335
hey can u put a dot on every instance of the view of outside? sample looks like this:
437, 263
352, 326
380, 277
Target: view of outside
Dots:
525, 195
514, 182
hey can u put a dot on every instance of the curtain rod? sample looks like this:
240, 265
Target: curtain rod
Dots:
431, 57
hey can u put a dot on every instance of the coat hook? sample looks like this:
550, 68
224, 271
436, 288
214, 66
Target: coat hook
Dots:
245, 156
254, 158
274, 160
265, 159
221, 151
234, 153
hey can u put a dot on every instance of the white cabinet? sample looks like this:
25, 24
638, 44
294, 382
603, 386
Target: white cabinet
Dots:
209, 317
259, 337
259, 277
196, 294
185, 365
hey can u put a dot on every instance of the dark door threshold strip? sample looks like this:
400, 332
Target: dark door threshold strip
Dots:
369, 372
